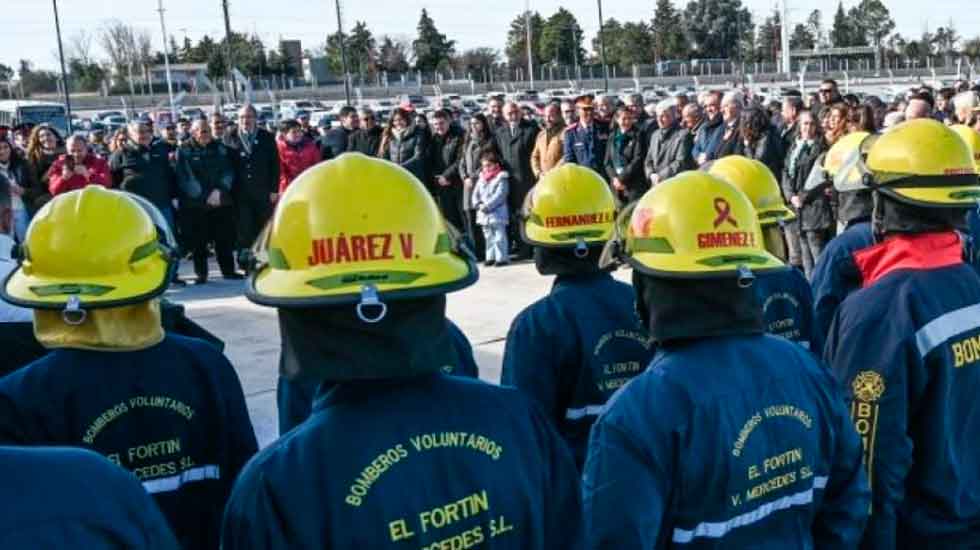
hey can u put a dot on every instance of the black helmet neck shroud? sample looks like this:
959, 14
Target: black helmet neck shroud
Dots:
678, 310
331, 343
892, 216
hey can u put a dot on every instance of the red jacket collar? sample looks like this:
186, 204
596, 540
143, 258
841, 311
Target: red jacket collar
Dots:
920, 252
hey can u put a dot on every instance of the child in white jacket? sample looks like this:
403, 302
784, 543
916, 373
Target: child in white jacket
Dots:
490, 203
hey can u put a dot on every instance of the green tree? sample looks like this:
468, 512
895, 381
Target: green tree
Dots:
6, 73
667, 31
611, 30
718, 28
841, 32
971, 48
769, 38
626, 43
815, 27
802, 38
477, 60
393, 55
362, 52
946, 39
873, 21
186, 53
87, 77
431, 48
516, 47
561, 39
33, 81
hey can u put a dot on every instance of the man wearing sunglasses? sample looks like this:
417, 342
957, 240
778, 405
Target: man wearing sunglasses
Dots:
827, 95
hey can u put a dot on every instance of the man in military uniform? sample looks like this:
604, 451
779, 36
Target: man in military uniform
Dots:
571, 363
585, 140
359, 273
907, 345
731, 438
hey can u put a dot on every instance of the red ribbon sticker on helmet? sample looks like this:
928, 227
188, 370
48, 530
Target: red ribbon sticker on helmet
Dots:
724, 211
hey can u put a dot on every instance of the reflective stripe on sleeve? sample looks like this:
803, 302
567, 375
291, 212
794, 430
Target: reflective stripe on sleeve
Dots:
717, 530
946, 326
588, 410
172, 483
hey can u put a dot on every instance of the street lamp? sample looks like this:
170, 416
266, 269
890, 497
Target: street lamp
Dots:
166, 62
64, 73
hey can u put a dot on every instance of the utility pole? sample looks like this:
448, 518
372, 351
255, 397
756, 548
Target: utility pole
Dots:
64, 73
527, 28
228, 61
785, 38
343, 55
166, 62
602, 49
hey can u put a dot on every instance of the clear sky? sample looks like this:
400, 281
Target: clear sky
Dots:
28, 25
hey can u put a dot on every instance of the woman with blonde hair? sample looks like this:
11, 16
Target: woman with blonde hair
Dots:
44, 146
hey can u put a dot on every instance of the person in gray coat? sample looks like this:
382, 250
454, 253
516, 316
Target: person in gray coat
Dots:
478, 138
406, 144
669, 153
515, 141
490, 197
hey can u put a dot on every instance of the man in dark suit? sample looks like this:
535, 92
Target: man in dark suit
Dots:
256, 180
515, 141
446, 149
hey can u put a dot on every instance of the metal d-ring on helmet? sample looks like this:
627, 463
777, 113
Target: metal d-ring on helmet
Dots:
357, 230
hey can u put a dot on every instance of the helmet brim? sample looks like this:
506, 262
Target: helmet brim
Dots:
965, 196
145, 281
332, 286
716, 265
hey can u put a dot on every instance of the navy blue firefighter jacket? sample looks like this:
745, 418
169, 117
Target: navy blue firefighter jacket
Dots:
726, 442
907, 347
787, 304
432, 462
172, 414
58, 497
835, 277
571, 350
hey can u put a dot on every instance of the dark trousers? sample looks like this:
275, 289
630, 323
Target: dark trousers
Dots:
475, 234
450, 201
206, 226
794, 243
812, 244
253, 214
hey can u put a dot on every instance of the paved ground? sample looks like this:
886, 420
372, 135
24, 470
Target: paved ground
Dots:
483, 311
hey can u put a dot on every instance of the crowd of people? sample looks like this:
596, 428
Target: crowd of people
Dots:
218, 180
792, 365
